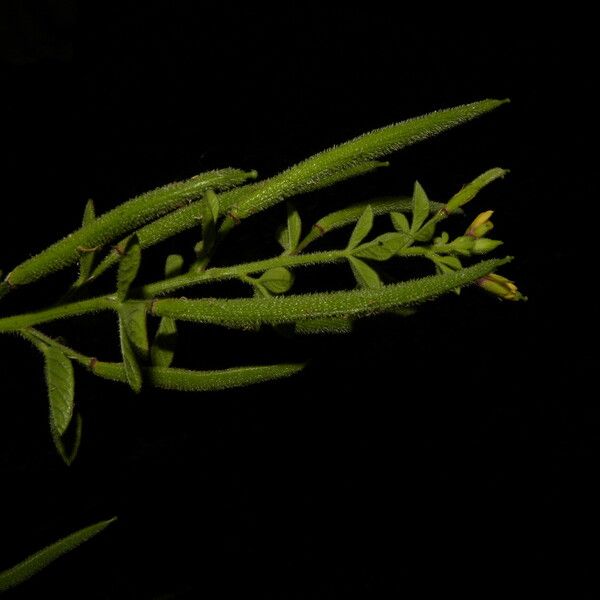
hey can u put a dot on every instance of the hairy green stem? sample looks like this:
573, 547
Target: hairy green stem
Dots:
222, 273
158, 288
251, 312
82, 307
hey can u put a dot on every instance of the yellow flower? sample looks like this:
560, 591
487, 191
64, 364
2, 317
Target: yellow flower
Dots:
500, 286
481, 225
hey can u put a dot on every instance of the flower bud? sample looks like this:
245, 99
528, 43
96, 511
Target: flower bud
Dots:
463, 245
481, 225
500, 286
483, 245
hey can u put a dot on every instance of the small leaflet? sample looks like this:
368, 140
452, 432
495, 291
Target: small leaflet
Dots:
365, 276
294, 228
400, 222
420, 207
383, 247
129, 266
134, 320
133, 372
278, 280
362, 228
173, 265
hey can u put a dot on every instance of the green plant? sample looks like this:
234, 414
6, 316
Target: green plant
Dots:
216, 202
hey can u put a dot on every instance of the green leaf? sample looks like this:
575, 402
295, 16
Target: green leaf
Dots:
86, 261
60, 443
251, 312
400, 222
426, 232
324, 326
163, 348
365, 276
134, 322
173, 265
278, 280
132, 370
201, 381
362, 228
41, 559
442, 240
351, 214
281, 234
420, 207
294, 228
451, 261
210, 214
128, 267
260, 291
383, 247
60, 381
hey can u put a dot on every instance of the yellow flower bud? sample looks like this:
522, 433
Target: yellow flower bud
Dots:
481, 225
500, 286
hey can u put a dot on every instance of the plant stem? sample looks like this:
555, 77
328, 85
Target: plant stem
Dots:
37, 317
158, 288
35, 337
221, 273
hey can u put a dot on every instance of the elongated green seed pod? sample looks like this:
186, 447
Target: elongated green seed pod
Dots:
367, 147
321, 170
126, 217
250, 312
199, 381
176, 222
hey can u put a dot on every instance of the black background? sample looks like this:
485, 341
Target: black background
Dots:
449, 451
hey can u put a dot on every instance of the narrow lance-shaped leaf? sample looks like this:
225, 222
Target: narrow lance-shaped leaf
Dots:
248, 312
420, 207
200, 381
41, 559
163, 348
128, 267
60, 381
400, 222
132, 370
86, 261
210, 214
133, 320
294, 227
125, 218
61, 443
165, 340
383, 247
362, 228
369, 146
365, 276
